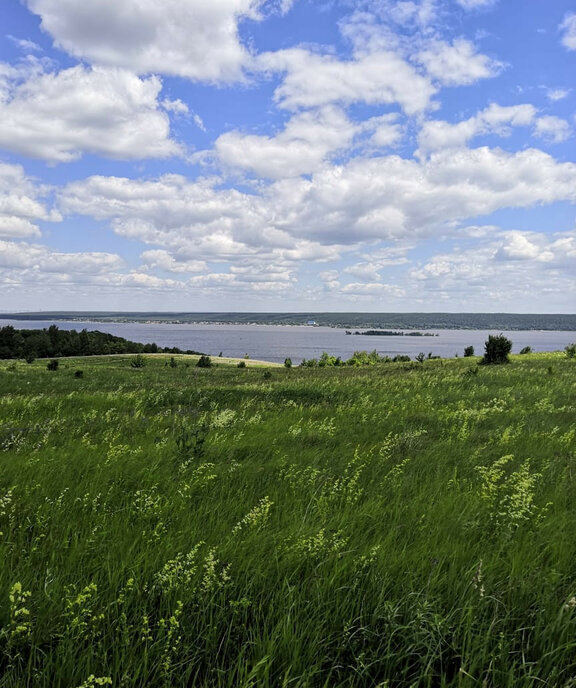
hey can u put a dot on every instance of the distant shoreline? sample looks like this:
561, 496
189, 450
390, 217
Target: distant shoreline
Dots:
348, 320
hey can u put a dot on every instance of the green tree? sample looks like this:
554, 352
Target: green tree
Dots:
496, 350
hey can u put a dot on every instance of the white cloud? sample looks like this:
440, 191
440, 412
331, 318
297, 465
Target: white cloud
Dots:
495, 119
555, 94
568, 28
20, 204
373, 289
552, 128
166, 261
176, 106
458, 63
475, 4
377, 78
381, 198
307, 140
37, 258
25, 44
503, 269
60, 116
189, 38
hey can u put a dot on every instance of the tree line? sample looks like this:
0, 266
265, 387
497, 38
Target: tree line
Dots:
52, 342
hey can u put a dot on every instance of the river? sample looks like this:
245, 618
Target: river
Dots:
277, 342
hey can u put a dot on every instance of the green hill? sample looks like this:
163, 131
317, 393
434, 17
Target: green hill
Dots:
400, 524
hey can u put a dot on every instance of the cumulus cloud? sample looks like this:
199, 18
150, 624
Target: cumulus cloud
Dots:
381, 198
457, 63
58, 116
568, 29
300, 148
552, 128
495, 119
21, 204
166, 261
188, 38
378, 78
503, 269
38, 258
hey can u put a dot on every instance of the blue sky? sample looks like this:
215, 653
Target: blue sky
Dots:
257, 155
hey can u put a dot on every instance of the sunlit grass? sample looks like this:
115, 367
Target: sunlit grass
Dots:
400, 525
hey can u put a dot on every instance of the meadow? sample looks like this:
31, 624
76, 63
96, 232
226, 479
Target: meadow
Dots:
403, 524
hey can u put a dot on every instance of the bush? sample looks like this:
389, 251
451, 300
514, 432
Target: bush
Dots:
53, 364
570, 350
401, 358
497, 348
241, 364
138, 361
267, 375
420, 357
526, 350
173, 363
79, 373
204, 362
469, 351
287, 362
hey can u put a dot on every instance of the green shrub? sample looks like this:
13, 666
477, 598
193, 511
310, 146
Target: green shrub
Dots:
53, 364
526, 350
79, 374
570, 350
497, 348
138, 361
469, 351
287, 362
204, 362
241, 364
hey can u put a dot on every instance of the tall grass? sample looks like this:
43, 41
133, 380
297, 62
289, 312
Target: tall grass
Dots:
402, 525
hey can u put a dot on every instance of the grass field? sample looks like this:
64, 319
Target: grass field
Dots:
395, 525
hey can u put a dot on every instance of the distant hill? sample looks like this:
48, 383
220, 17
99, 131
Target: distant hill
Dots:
457, 321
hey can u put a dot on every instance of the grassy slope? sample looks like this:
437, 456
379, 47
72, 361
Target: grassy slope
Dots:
319, 527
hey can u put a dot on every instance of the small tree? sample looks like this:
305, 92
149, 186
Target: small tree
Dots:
204, 362
526, 350
570, 350
420, 357
287, 362
173, 362
138, 361
241, 364
497, 348
469, 351
53, 364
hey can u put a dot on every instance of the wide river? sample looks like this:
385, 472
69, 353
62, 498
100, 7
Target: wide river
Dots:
277, 342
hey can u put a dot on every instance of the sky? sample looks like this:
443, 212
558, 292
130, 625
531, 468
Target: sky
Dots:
288, 155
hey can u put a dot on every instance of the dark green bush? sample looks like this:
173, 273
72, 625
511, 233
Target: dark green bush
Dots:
204, 362
570, 350
53, 364
241, 364
138, 361
496, 350
469, 351
526, 350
